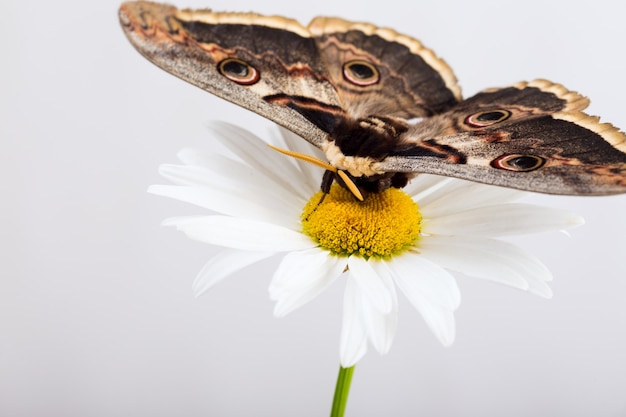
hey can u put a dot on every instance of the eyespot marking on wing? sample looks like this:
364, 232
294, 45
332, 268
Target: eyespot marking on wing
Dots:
238, 71
487, 118
361, 73
518, 162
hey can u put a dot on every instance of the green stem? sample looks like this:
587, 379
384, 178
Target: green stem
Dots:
342, 389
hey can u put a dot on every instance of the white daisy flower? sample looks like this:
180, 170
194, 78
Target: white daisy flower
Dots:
268, 204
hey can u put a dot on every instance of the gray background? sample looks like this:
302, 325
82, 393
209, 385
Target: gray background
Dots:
97, 317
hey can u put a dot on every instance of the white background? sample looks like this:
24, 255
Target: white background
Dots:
97, 317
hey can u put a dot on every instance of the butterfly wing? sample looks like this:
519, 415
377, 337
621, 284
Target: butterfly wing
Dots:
261, 63
307, 79
377, 71
334, 82
531, 136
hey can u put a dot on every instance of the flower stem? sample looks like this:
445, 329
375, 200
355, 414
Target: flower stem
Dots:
342, 389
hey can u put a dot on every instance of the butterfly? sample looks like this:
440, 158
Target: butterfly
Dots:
381, 106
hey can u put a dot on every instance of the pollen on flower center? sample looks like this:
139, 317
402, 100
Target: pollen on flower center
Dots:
384, 224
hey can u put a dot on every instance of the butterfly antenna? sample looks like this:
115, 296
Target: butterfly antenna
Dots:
350, 184
324, 165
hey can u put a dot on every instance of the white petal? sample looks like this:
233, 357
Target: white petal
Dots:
488, 259
230, 203
440, 320
458, 195
241, 234
223, 265
502, 220
255, 152
299, 144
417, 275
234, 176
247, 146
312, 173
539, 287
372, 285
301, 276
425, 187
353, 344
431, 290
381, 328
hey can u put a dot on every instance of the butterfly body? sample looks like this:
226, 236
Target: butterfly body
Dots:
353, 90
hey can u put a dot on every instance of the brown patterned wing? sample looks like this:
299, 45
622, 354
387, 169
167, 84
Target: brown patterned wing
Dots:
531, 136
380, 72
267, 64
307, 79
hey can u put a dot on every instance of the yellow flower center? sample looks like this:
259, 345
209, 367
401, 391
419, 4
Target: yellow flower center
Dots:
383, 225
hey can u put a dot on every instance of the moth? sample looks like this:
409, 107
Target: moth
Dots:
381, 106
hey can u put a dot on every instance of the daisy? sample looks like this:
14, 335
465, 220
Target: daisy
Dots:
266, 204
